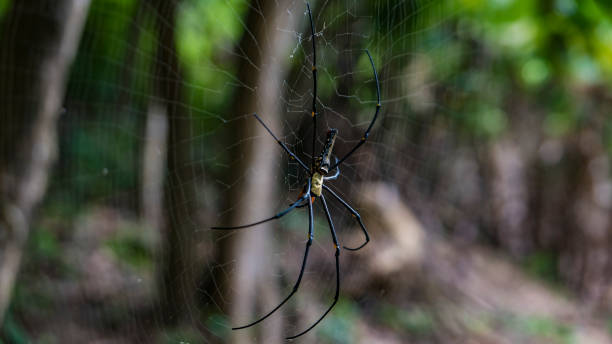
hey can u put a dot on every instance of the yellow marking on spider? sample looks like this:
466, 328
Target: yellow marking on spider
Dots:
317, 184
313, 114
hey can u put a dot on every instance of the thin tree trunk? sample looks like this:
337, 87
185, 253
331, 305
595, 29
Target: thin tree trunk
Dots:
177, 280
39, 41
153, 165
262, 46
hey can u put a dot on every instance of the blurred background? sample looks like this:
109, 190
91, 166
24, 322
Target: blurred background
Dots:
126, 132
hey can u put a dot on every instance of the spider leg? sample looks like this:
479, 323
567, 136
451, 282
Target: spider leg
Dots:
291, 154
297, 283
355, 215
336, 295
335, 175
314, 87
367, 132
277, 216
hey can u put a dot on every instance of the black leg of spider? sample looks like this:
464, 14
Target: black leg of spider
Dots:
335, 176
295, 204
337, 248
299, 279
355, 215
367, 132
291, 154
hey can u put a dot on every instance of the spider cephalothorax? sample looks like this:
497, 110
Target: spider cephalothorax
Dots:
322, 162
318, 172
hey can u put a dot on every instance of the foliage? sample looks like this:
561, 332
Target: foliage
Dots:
550, 51
4, 5
541, 327
543, 265
340, 326
13, 331
416, 321
129, 247
219, 325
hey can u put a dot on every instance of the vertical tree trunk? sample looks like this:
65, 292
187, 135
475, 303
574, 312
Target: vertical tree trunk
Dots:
153, 166
39, 41
177, 280
261, 70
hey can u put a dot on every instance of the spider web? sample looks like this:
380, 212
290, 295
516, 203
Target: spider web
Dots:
91, 219
410, 44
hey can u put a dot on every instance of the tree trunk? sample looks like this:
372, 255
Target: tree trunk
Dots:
153, 166
39, 42
177, 276
262, 50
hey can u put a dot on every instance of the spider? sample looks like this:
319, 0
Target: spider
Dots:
320, 171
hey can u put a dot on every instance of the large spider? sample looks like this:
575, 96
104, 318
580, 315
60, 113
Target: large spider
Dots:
319, 172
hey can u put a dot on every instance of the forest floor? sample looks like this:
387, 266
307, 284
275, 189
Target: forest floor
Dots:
469, 293
94, 283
